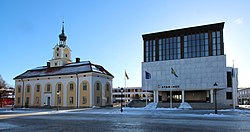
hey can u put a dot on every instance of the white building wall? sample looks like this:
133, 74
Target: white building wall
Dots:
65, 79
235, 87
103, 79
193, 74
87, 78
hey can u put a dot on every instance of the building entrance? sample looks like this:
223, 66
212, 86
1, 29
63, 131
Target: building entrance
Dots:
190, 96
164, 96
48, 101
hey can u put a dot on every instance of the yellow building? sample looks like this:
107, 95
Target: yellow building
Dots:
64, 83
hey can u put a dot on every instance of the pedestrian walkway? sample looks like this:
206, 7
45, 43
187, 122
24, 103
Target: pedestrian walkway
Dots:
32, 113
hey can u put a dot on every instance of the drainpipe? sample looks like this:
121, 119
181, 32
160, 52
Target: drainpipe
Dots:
22, 92
77, 90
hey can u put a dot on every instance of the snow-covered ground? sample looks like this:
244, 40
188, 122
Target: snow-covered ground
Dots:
145, 109
131, 119
126, 110
166, 112
4, 126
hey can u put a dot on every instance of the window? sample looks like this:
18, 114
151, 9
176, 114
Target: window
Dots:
71, 100
84, 100
59, 99
28, 89
216, 43
71, 87
27, 100
37, 100
48, 87
154, 50
98, 86
160, 49
19, 89
59, 87
147, 51
150, 50
18, 100
84, 86
107, 87
229, 95
108, 101
229, 79
37, 88
98, 100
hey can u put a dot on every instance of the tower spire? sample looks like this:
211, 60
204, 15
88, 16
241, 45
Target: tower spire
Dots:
63, 27
62, 37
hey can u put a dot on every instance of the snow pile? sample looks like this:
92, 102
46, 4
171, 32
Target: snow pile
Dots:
237, 110
214, 115
168, 109
96, 107
133, 108
151, 106
185, 106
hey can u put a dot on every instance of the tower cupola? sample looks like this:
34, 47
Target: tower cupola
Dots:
61, 52
62, 37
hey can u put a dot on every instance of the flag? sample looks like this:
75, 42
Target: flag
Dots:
126, 75
173, 72
148, 75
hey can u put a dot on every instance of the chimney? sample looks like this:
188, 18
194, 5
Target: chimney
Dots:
77, 60
48, 64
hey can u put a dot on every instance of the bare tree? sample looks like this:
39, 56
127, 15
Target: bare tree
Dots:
2, 83
3, 87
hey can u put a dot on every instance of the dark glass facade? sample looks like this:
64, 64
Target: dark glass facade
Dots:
201, 41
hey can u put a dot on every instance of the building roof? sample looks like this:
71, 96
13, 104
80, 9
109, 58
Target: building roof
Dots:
68, 69
243, 89
176, 32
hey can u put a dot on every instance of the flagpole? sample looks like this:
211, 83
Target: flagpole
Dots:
147, 76
125, 89
234, 103
146, 95
146, 89
171, 104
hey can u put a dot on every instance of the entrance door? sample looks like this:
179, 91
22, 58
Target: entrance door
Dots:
48, 101
160, 98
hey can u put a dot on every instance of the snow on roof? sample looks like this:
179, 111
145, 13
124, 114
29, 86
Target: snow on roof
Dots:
39, 68
80, 63
73, 68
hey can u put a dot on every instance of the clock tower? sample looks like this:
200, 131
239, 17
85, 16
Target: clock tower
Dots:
61, 52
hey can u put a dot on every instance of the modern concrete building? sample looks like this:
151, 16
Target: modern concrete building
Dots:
244, 96
189, 65
129, 94
64, 83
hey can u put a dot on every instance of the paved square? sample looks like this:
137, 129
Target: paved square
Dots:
111, 119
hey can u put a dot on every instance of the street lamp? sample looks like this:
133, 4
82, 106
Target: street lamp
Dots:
57, 93
215, 100
121, 99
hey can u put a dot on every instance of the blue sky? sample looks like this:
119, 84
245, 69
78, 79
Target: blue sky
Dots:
109, 32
